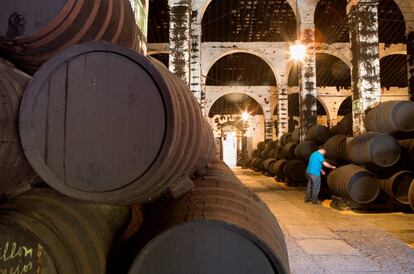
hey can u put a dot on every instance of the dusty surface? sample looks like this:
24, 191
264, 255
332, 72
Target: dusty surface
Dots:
321, 239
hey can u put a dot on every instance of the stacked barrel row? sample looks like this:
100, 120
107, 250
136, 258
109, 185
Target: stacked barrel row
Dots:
98, 138
378, 161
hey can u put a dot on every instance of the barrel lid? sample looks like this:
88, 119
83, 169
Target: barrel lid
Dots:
21, 252
93, 119
30, 17
205, 247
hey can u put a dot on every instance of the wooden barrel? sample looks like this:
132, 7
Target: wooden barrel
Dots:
267, 165
285, 138
373, 149
30, 34
354, 183
296, 135
257, 164
391, 117
278, 168
397, 186
264, 154
124, 128
288, 151
411, 195
336, 147
295, 171
15, 171
318, 134
255, 153
344, 126
260, 145
304, 150
43, 232
218, 227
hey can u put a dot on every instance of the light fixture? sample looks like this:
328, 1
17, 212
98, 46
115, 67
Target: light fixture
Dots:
245, 116
297, 51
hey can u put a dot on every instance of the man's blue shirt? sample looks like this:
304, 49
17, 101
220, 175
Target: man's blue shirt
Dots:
315, 163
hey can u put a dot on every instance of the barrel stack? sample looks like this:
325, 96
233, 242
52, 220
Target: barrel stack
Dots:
96, 137
375, 164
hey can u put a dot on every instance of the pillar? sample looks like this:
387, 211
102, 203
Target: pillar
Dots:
268, 119
365, 71
282, 107
180, 42
195, 59
307, 81
410, 59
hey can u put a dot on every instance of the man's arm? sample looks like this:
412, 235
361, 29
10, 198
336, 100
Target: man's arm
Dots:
328, 165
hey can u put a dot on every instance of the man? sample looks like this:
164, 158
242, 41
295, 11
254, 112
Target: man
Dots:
313, 172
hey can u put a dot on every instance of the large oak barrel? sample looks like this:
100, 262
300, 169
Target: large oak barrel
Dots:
257, 164
255, 153
354, 183
15, 171
296, 135
32, 32
391, 117
100, 122
278, 168
304, 150
344, 126
288, 151
317, 133
285, 138
336, 147
43, 232
295, 171
267, 165
260, 145
373, 149
218, 227
397, 186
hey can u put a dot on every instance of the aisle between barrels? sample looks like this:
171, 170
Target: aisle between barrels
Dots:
323, 240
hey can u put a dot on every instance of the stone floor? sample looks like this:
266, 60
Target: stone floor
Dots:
321, 239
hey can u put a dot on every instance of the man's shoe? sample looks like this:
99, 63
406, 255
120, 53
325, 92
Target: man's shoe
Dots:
307, 201
316, 202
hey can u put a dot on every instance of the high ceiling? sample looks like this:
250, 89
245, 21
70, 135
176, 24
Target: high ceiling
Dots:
331, 22
158, 21
240, 69
249, 21
235, 104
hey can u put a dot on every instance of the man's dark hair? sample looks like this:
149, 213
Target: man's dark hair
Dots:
322, 147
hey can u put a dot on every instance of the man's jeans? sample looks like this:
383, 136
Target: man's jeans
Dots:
312, 190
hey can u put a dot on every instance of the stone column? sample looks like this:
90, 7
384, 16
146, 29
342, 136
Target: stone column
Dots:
268, 120
365, 71
307, 81
282, 107
180, 42
410, 59
195, 59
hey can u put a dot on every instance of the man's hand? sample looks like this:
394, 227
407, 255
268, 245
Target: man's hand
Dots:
323, 172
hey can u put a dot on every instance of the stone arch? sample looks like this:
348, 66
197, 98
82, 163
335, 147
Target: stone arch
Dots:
215, 97
293, 106
261, 56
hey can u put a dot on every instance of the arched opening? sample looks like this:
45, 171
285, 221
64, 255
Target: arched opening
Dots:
330, 72
293, 112
393, 71
248, 21
158, 21
391, 24
238, 122
240, 69
331, 22
345, 108
162, 57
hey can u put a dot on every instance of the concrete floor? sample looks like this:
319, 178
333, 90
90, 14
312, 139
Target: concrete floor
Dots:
321, 239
